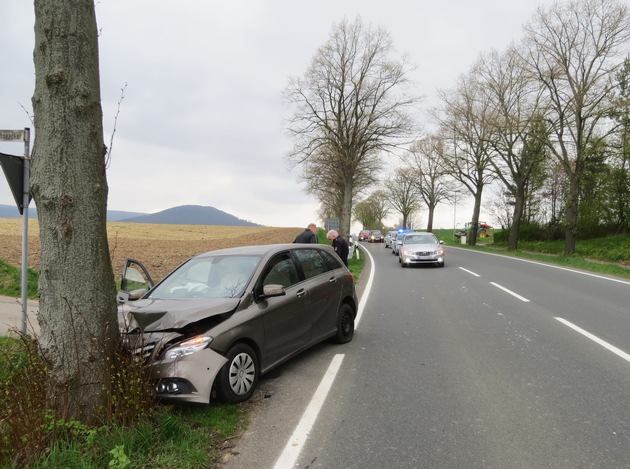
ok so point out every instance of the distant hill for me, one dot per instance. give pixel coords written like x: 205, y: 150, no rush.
x: 182, y: 215
x: 11, y: 211
x: 192, y: 215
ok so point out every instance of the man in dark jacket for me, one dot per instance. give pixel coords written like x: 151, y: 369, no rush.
x: 309, y: 235
x: 340, y: 246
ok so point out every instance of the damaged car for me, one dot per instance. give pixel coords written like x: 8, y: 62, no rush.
x: 220, y: 320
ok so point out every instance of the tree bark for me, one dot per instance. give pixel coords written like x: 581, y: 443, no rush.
x: 77, y: 307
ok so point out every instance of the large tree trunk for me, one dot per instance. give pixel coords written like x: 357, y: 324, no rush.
x: 346, y: 210
x: 571, y: 215
x: 430, y: 220
x: 517, y: 217
x: 474, y: 228
x: 77, y: 307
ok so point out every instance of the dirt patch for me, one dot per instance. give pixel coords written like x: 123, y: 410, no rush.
x: 159, y: 247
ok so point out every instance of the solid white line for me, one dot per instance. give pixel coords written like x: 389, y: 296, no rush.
x: 368, y: 287
x: 470, y: 272
x: 510, y: 292
x: 300, y: 434
x: 596, y: 339
x: 296, y: 442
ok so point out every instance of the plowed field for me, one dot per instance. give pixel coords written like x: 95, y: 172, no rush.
x: 159, y: 247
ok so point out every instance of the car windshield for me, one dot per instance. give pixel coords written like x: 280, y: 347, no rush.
x: 208, y: 277
x: 419, y: 239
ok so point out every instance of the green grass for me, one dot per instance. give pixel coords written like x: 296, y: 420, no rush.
x: 187, y: 437
x: 182, y: 437
x: 11, y: 278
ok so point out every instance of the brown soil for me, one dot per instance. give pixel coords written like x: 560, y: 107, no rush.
x: 159, y: 247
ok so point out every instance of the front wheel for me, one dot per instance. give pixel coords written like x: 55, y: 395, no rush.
x: 238, y: 378
x: 345, y: 324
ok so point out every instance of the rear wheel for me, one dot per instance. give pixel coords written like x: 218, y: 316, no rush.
x: 238, y: 378
x: 345, y: 324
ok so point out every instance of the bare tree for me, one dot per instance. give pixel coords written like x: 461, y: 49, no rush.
x: 516, y: 128
x: 326, y: 183
x: 619, y: 181
x: 463, y: 120
x: 403, y: 194
x: 77, y: 307
x: 350, y: 106
x: 572, y: 49
x: 426, y: 157
x: 371, y: 211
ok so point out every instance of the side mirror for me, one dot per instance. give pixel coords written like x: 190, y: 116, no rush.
x: 122, y: 297
x: 273, y: 290
x: 126, y: 296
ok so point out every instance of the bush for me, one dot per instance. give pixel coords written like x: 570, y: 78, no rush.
x: 501, y: 237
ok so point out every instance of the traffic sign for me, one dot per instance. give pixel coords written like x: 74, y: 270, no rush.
x: 13, y: 135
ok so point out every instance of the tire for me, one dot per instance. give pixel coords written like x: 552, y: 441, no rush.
x: 237, y: 380
x: 345, y: 324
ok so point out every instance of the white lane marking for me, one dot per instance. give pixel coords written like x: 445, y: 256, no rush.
x: 368, y: 287
x: 470, y: 272
x: 551, y: 266
x: 596, y: 339
x: 300, y: 434
x: 296, y: 442
x: 510, y: 292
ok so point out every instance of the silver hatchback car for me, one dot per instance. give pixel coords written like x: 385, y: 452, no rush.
x: 221, y: 319
x: 421, y: 248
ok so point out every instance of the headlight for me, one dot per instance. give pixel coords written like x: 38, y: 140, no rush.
x: 189, y: 346
x: 440, y: 252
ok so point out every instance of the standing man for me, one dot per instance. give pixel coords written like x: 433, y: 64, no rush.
x: 339, y: 245
x: 309, y: 235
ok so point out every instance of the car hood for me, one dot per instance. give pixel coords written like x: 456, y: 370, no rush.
x: 155, y: 315
x: 423, y: 247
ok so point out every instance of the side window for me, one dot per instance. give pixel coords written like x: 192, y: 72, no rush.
x: 281, y: 271
x: 312, y: 263
x: 332, y: 261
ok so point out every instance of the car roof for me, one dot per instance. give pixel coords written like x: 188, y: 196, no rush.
x: 264, y: 249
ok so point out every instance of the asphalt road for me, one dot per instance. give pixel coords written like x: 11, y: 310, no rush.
x: 11, y: 312
x: 489, y: 362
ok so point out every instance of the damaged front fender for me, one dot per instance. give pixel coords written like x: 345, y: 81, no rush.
x: 189, y: 378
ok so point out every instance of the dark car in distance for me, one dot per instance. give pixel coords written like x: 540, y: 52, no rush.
x: 376, y: 236
x: 221, y: 319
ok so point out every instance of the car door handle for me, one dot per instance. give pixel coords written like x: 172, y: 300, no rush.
x: 301, y: 292
x: 332, y: 280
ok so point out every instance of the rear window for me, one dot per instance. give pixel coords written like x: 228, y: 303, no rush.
x: 312, y: 263
x: 315, y: 262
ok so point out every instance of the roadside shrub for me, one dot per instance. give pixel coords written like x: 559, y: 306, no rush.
x: 531, y: 232
x: 23, y: 378
x: 501, y: 237
x: 31, y: 432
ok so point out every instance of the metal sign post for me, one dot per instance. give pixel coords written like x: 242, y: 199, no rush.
x: 21, y: 136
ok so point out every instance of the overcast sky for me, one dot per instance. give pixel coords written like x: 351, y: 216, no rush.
x: 202, y: 119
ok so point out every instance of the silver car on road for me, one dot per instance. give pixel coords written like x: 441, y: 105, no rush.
x: 421, y: 248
